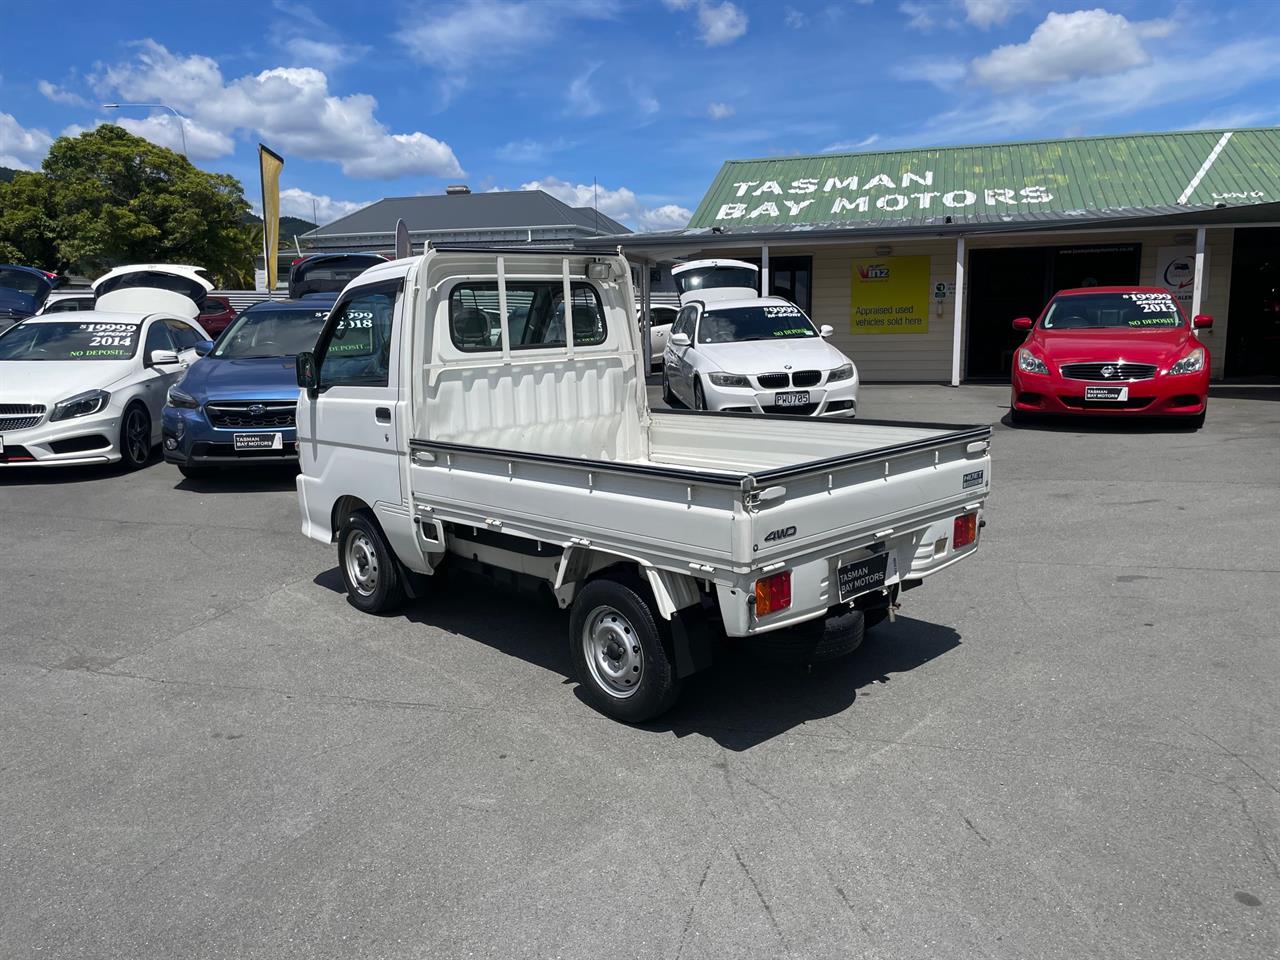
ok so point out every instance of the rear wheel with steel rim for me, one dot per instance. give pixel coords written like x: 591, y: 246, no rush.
x: 619, y: 654
x: 370, y: 571
x: 135, y: 437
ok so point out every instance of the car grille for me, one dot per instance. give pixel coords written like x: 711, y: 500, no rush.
x: 251, y: 413
x: 804, y: 410
x: 19, y: 416
x: 801, y: 378
x: 1118, y: 371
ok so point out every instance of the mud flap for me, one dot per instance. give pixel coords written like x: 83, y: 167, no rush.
x: 690, y: 641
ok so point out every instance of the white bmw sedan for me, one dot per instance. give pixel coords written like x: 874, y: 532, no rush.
x: 760, y: 355
x: 88, y: 387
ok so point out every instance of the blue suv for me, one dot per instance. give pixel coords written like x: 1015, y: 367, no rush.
x: 236, y: 405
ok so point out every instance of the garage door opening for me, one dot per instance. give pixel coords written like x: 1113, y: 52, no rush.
x: 1253, y: 335
x: 1018, y: 282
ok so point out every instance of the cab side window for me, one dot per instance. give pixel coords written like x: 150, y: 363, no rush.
x: 184, y: 335
x: 158, y: 338
x: 355, y: 348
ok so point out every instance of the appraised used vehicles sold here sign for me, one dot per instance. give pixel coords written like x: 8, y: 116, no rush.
x: 890, y: 295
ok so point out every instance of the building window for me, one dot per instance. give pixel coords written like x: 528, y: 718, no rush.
x: 790, y: 278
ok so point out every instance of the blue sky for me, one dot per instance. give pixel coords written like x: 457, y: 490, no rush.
x: 646, y: 97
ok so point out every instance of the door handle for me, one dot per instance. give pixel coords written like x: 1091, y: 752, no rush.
x: 382, y: 414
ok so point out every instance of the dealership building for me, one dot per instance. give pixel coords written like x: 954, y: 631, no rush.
x: 921, y: 259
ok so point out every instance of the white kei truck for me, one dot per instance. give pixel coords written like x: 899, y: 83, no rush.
x: 487, y: 408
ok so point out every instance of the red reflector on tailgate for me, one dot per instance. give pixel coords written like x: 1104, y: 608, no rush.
x: 966, y: 530
x: 773, y: 593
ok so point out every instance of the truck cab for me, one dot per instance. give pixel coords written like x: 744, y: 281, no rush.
x: 487, y: 409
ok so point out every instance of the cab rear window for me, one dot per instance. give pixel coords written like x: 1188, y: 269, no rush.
x: 535, y: 315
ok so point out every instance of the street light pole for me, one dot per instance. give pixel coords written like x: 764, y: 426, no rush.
x: 182, y: 126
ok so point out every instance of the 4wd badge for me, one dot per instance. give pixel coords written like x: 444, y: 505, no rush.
x: 773, y: 536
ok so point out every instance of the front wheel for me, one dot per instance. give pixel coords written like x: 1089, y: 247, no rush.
x: 135, y: 437
x: 1196, y: 422
x: 699, y: 398
x: 369, y: 568
x: 668, y: 397
x: 618, y: 653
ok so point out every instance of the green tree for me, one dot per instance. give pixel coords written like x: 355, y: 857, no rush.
x: 106, y: 198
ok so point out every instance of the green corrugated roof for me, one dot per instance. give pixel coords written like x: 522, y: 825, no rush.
x: 997, y: 183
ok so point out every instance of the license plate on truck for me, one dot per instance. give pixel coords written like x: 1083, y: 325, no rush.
x: 1112, y: 394
x: 797, y: 398
x: 258, y: 441
x: 862, y: 576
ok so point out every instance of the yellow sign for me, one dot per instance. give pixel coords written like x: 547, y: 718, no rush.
x: 270, y: 164
x: 890, y: 295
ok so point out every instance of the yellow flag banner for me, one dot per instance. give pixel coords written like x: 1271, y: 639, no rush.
x: 270, y: 164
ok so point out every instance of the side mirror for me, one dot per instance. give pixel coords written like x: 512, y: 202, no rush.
x: 159, y: 358
x: 304, y: 366
x: 826, y: 331
x: 1202, y: 321
x: 1022, y: 323
x: 680, y: 340
x: 203, y: 347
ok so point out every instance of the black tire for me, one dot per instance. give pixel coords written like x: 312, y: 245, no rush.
x: 699, y: 398
x: 836, y: 635
x: 370, y: 570
x: 1017, y: 418
x: 1196, y: 422
x: 135, y: 437
x: 668, y: 397
x: 196, y: 471
x: 608, y: 616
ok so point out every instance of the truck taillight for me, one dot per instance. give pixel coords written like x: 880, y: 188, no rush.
x: 966, y: 530
x: 773, y: 593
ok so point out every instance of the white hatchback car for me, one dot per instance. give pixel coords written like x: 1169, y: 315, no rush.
x: 758, y: 355
x: 89, y: 387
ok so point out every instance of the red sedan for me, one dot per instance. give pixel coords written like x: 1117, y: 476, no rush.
x: 1114, y: 351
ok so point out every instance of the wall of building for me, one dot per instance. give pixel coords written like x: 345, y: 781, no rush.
x: 927, y: 356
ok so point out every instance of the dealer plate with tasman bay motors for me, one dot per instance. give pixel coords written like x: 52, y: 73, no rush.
x: 796, y: 398
x: 861, y: 576
x: 1107, y: 394
x: 258, y: 441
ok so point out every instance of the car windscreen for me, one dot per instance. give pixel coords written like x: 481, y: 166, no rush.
x: 1103, y: 311
x: 24, y: 282
x: 153, y: 280
x: 714, y: 277
x: 70, y: 341
x: 328, y: 274
x: 271, y: 333
x: 765, y: 322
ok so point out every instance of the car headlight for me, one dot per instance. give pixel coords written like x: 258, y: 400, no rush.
x: 1193, y: 362
x: 1028, y: 362
x: 840, y: 373
x: 729, y: 380
x: 81, y: 405
x: 180, y: 398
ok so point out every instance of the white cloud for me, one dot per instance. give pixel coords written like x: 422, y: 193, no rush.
x: 166, y: 130
x: 941, y: 72
x: 990, y: 13
x: 845, y: 146
x: 794, y: 18
x: 919, y: 16
x: 720, y: 23
x: 57, y: 94
x: 581, y: 97
x: 719, y: 111
x: 620, y: 204
x: 530, y: 150
x: 1068, y: 46
x: 310, y: 206
x: 471, y: 37
x: 291, y: 108
x: 21, y: 148
x: 322, y: 54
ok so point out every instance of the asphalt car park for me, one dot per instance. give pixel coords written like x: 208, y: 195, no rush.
x: 1069, y: 747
